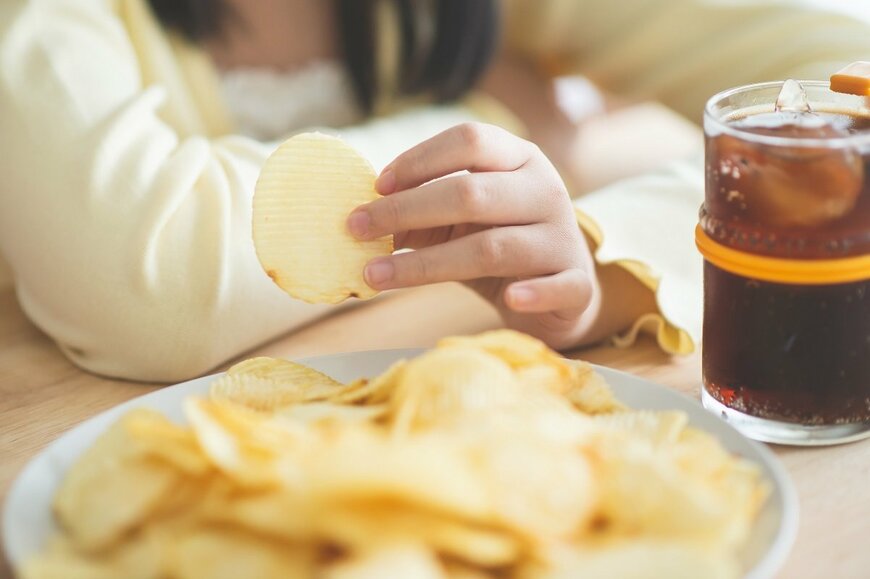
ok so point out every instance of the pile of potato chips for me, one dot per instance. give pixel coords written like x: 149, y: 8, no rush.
x: 488, y: 456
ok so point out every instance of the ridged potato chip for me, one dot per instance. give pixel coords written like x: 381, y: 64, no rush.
x: 448, y: 383
x: 518, y: 350
x: 590, y: 393
x: 271, y: 384
x: 375, y: 391
x: 306, y: 190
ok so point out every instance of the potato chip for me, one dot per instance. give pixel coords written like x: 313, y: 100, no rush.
x: 542, y: 415
x: 516, y: 349
x: 270, y: 384
x: 634, y: 559
x: 328, y: 412
x: 537, y: 366
x: 159, y: 437
x: 365, y: 464
x: 373, y: 525
x: 113, y: 487
x: 273, y: 512
x: 406, y: 560
x: 459, y: 570
x: 140, y: 558
x: 656, y: 427
x: 551, y: 492
x: 247, y: 446
x: 221, y: 553
x: 644, y: 492
x: 306, y: 191
x: 283, y: 371
x: 590, y: 393
x: 450, y: 382
x: 374, y: 391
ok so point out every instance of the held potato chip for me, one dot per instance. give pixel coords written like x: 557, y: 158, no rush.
x: 305, y: 192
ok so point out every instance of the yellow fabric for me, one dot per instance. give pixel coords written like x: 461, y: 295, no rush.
x: 670, y: 338
x: 643, y: 225
x: 125, y: 198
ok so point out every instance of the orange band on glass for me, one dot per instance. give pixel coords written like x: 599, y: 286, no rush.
x: 777, y: 270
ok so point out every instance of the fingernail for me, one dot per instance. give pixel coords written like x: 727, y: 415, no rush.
x: 358, y: 223
x: 379, y: 272
x: 386, y: 183
x: 523, y: 296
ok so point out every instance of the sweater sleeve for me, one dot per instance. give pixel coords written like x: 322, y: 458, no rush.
x: 128, y: 239
x: 679, y: 52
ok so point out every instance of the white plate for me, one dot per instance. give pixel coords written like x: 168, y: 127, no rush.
x: 28, y: 522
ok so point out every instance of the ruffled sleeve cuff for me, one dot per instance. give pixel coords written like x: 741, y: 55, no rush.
x: 646, y: 226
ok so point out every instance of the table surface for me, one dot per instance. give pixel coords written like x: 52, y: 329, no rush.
x: 42, y: 395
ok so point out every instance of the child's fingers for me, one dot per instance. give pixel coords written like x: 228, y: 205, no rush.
x: 474, y: 147
x: 566, y: 294
x: 483, y: 198
x: 501, y: 252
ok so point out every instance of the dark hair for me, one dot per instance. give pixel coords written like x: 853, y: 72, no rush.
x: 443, y: 61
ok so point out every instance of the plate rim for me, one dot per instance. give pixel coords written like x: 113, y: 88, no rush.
x: 766, y: 567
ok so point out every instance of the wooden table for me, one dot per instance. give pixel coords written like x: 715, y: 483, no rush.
x: 42, y: 395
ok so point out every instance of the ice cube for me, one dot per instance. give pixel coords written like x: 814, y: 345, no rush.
x: 793, y: 98
x: 791, y: 124
x: 782, y: 186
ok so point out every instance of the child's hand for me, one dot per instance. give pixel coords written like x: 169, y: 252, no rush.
x: 506, y: 228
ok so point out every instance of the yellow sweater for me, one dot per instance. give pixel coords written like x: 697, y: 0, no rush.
x: 125, y: 198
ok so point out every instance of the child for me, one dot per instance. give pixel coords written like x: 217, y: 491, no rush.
x: 127, y: 183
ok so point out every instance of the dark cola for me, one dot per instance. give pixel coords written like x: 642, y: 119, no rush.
x: 793, y: 352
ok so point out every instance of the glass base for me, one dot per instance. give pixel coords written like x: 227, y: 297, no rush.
x: 777, y: 432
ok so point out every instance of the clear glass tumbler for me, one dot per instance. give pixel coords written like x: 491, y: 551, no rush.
x: 785, y: 233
